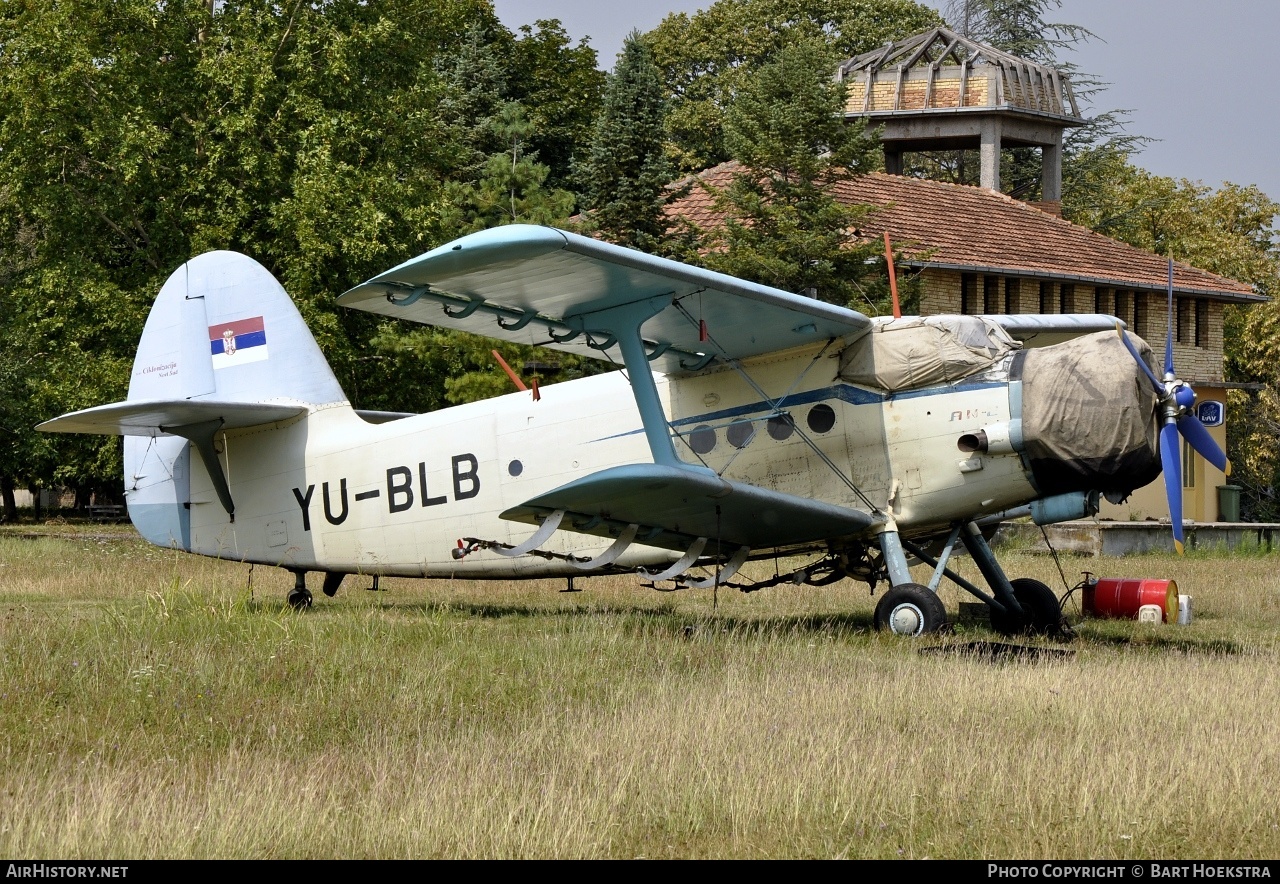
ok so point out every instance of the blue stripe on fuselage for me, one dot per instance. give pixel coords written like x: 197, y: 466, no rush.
x: 843, y: 392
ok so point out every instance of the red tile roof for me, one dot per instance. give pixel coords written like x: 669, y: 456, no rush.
x: 957, y: 227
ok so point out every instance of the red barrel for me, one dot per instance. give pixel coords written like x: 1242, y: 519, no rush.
x: 1122, y: 597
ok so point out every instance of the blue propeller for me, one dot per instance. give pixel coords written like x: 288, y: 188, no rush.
x: 1176, y: 400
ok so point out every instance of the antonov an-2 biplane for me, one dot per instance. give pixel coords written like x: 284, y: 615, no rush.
x: 744, y: 423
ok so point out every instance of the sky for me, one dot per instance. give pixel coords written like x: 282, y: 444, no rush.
x: 1195, y: 75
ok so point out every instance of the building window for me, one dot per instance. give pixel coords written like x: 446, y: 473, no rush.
x: 1066, y: 296
x: 1185, y: 318
x: 1124, y: 307
x: 1202, y: 323
x: 990, y: 294
x: 1188, y: 465
x: 1012, y: 296
x: 1046, y: 297
x: 969, y: 294
x: 1102, y: 300
x: 1141, y: 315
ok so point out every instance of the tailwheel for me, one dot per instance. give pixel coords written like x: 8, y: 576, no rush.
x: 1041, y: 614
x: 910, y: 609
x: 300, y: 596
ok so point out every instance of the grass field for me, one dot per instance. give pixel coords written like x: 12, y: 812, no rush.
x: 154, y: 704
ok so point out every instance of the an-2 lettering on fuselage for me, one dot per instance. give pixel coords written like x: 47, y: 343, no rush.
x: 400, y: 491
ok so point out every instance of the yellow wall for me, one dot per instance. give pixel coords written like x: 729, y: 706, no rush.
x: 1199, y: 502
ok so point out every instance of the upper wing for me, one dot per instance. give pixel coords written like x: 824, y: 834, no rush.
x: 539, y: 285
x: 1041, y: 330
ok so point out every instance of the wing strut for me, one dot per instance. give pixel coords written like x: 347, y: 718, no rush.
x: 624, y: 323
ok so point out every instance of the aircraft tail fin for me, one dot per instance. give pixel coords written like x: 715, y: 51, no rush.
x: 223, y: 347
x: 222, y: 328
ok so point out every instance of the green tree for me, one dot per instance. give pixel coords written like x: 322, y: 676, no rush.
x: 90, y: 159
x: 626, y: 173
x: 560, y: 88
x: 782, y: 225
x: 707, y: 58
x: 475, y: 86
x: 512, y: 186
x: 135, y: 134
x: 512, y: 189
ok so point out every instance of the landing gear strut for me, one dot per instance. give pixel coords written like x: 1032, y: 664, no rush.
x: 300, y: 596
x: 1022, y: 606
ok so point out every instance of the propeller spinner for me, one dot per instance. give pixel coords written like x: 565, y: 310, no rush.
x: 1176, y: 400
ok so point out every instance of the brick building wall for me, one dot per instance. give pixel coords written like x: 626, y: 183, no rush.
x: 1197, y: 350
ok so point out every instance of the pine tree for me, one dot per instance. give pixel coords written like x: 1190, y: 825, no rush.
x: 1022, y: 28
x: 512, y: 189
x: 475, y: 85
x: 511, y: 186
x: 624, y: 178
x: 784, y: 228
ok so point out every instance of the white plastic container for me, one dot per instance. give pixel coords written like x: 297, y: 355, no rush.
x: 1150, y: 614
x: 1184, y: 610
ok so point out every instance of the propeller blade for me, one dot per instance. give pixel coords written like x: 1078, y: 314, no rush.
x: 1168, y: 339
x: 1199, y: 439
x: 1171, y: 465
x: 1142, y: 363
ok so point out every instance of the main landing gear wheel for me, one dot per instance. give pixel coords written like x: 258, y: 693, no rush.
x: 910, y: 609
x: 1041, y: 614
x: 300, y: 599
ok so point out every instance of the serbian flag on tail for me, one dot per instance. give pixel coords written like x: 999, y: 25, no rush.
x: 235, y: 343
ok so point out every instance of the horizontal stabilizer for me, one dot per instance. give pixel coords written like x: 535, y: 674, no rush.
x: 674, y: 506
x: 152, y: 417
x: 539, y: 285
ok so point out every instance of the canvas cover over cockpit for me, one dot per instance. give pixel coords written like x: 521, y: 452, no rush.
x: 924, y: 351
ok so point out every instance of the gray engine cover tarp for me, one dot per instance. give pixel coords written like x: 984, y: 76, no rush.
x: 924, y: 351
x: 1088, y: 415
